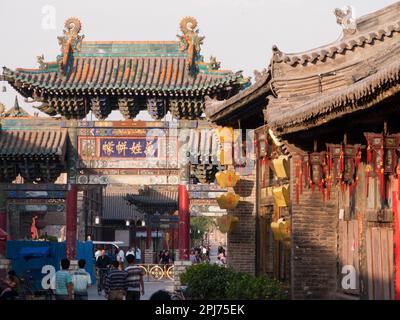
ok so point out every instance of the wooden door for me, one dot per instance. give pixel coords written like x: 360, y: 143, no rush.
x: 380, y: 270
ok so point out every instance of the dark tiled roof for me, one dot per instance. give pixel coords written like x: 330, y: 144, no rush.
x: 242, y: 104
x: 151, y: 200
x: 128, y: 66
x: 33, y: 144
x: 116, y: 207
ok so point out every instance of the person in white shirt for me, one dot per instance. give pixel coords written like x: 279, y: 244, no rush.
x: 120, y: 258
x: 97, y: 254
x: 138, y: 255
x: 130, y: 251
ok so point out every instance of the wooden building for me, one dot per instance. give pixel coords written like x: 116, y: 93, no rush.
x: 331, y: 112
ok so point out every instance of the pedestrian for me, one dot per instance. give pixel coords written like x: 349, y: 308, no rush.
x: 138, y: 255
x: 82, y: 281
x: 165, y: 258
x: 102, y: 264
x: 120, y: 256
x: 130, y: 251
x: 134, y: 279
x: 103, y: 261
x: 97, y: 254
x: 160, y: 255
x: 64, y: 285
x: 192, y: 257
x: 116, y: 283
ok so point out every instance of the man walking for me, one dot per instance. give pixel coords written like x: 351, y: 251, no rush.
x: 82, y: 281
x: 102, y: 264
x: 64, y: 285
x: 116, y: 283
x: 134, y: 279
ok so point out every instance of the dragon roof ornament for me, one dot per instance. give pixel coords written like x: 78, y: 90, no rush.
x: 70, y: 41
x: 345, y: 18
x: 190, y: 41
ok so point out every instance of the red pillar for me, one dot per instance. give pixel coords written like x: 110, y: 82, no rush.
x: 72, y: 197
x: 396, y: 236
x: 184, y: 222
x: 3, y: 219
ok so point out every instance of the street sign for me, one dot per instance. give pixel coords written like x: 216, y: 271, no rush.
x: 162, y: 221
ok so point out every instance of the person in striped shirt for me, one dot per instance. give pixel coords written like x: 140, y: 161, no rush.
x: 135, y: 279
x: 116, y: 283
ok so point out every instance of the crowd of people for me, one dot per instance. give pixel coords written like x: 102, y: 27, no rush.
x: 120, y: 276
x: 202, y: 255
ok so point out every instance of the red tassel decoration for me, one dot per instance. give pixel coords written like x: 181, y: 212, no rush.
x: 398, y: 181
x: 382, y: 170
x: 367, y: 174
x: 341, y: 164
x: 301, y: 178
x: 369, y: 153
x: 307, y: 173
x: 297, y: 180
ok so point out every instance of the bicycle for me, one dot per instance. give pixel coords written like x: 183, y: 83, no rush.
x: 101, y: 279
x: 28, y: 290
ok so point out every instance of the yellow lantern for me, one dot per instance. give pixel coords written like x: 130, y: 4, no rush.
x: 227, y: 178
x: 225, y: 136
x: 229, y: 200
x: 281, y: 167
x: 281, y: 196
x: 227, y: 223
x: 276, y: 231
x: 284, y: 227
x: 281, y: 230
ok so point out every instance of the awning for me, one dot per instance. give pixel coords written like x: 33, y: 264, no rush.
x: 34, y: 252
x: 33, y: 144
x: 3, y: 235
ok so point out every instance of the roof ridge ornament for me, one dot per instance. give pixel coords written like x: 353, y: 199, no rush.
x: 214, y: 64
x: 42, y: 64
x: 70, y: 41
x: 345, y: 17
x: 190, y: 41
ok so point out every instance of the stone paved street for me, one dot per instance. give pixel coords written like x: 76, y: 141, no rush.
x: 150, y: 288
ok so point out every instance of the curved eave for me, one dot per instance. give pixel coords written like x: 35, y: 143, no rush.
x: 221, y: 111
x: 360, y: 96
x: 373, y: 27
x: 26, y: 80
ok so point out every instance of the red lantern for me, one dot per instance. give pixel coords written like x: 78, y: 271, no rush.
x: 382, y: 157
x: 318, y: 167
x: 343, y: 162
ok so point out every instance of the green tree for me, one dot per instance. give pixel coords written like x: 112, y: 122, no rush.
x: 198, y: 227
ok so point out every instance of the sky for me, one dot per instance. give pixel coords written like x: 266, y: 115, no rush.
x: 240, y: 33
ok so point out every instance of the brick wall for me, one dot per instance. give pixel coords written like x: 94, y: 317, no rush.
x: 241, y: 242
x: 314, y: 244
